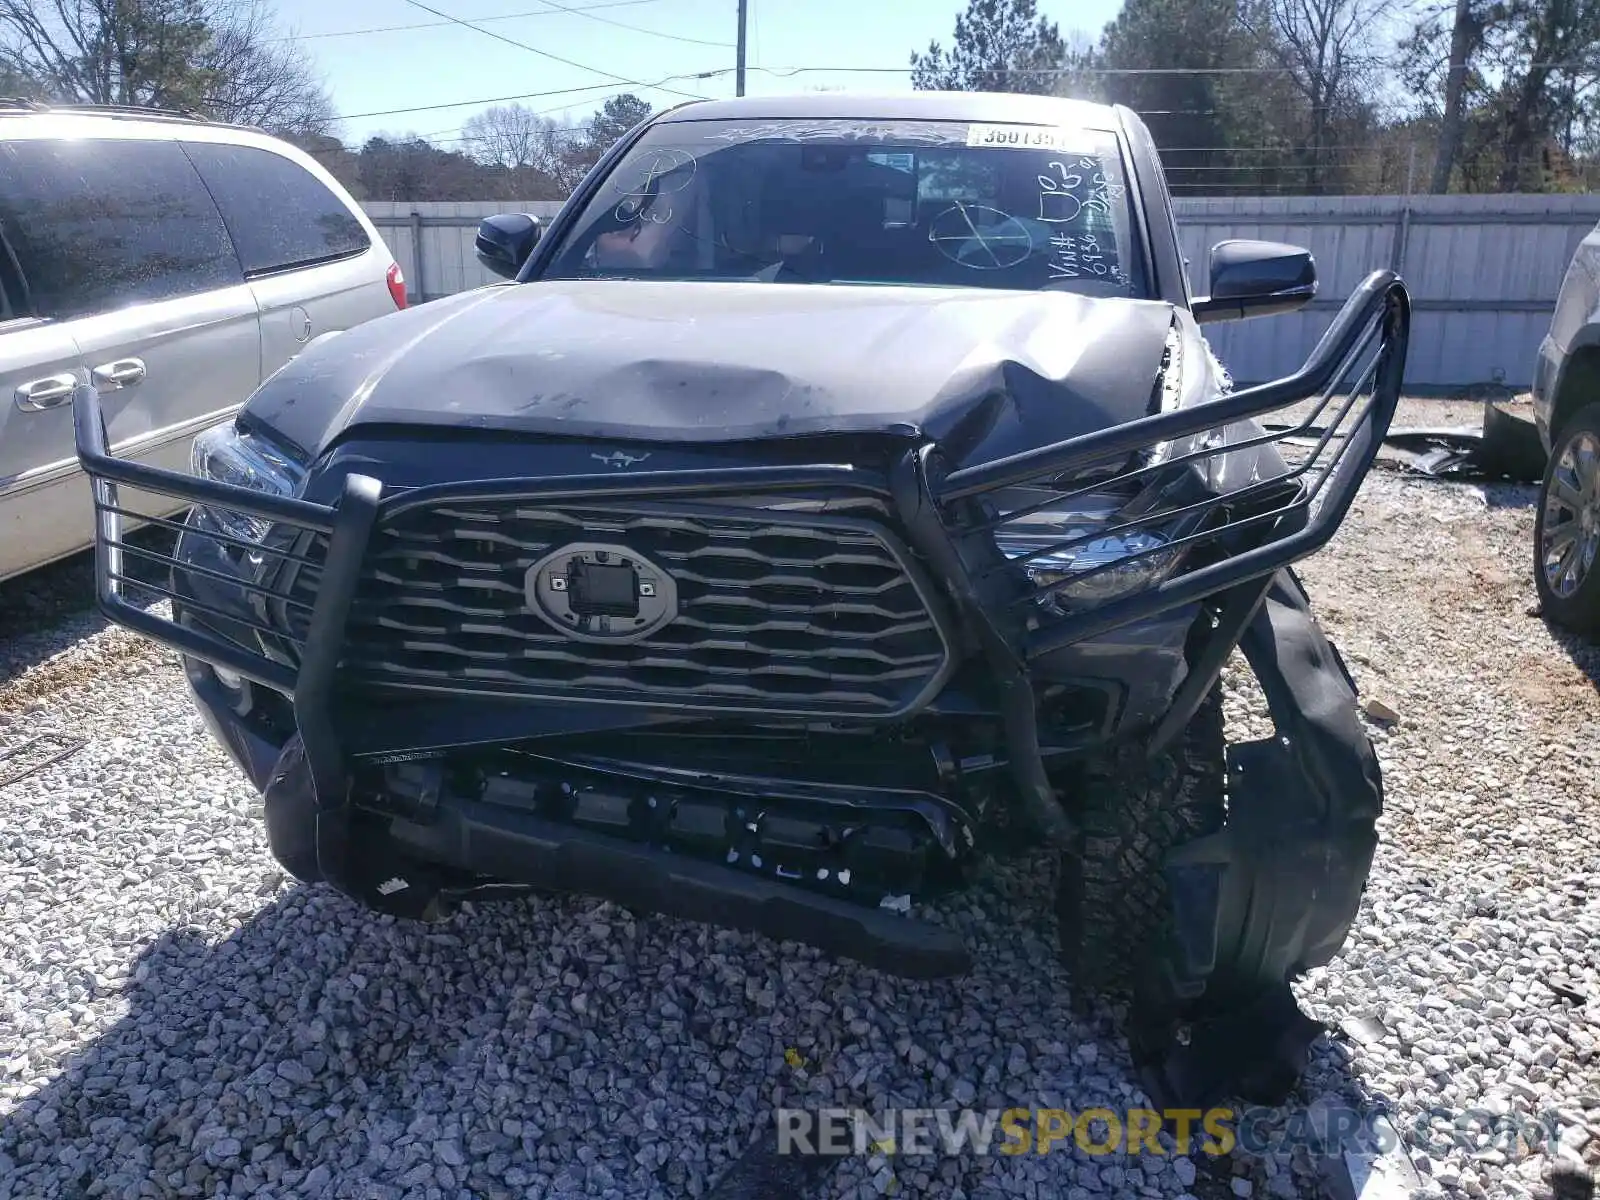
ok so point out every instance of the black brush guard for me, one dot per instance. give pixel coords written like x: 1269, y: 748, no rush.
x: 1252, y: 532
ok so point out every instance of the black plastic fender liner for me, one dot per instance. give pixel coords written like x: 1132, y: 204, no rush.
x: 305, y: 836
x: 1276, y: 891
x: 1329, y: 789
x: 289, y: 803
x: 1293, y: 858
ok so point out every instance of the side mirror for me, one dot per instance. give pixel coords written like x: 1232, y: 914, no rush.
x: 505, y: 240
x: 1255, y: 279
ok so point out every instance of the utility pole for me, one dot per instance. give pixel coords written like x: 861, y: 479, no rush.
x: 738, y: 75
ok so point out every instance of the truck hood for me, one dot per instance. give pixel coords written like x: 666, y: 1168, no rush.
x: 984, y: 372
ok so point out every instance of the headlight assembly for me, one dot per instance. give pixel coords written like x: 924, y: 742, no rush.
x: 1058, y: 549
x: 230, y: 455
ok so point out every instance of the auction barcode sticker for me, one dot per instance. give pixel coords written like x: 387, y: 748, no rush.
x: 1024, y: 137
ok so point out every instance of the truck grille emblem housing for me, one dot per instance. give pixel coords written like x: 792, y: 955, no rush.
x: 594, y: 592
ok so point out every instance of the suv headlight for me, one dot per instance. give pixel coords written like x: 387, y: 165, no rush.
x: 1034, y: 543
x: 230, y: 455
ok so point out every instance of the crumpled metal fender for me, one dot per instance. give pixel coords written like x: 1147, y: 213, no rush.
x: 1276, y: 891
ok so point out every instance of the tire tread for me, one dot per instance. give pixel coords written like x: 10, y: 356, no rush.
x: 1133, y: 809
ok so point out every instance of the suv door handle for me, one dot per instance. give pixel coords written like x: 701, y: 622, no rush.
x: 39, y: 394
x: 125, y: 372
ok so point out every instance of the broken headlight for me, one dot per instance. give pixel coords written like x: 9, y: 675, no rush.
x: 1079, y: 552
x: 228, y: 454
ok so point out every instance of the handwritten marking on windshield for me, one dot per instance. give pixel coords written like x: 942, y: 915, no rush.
x: 656, y: 173
x: 639, y: 208
x: 964, y: 232
x: 936, y: 133
x: 648, y: 178
x: 1059, y: 202
x: 1064, y: 257
x: 1069, y: 191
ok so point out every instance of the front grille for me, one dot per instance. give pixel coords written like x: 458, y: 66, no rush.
x: 787, y: 613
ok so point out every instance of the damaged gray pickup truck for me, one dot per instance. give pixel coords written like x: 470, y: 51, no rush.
x: 840, y: 493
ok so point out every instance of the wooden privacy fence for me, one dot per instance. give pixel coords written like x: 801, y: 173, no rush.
x: 1483, y: 270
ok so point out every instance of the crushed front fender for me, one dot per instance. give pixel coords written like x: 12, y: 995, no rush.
x: 1276, y: 891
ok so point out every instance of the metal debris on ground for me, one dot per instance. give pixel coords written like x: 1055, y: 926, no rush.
x: 1369, y: 1031
x: 1505, y: 448
x: 1373, y: 1174
x: 35, y: 754
x: 1377, y: 710
x: 1565, y: 989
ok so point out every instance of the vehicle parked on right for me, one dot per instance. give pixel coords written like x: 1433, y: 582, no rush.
x: 1566, y: 399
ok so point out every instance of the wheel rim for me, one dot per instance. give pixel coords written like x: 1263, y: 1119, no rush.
x: 1571, y: 531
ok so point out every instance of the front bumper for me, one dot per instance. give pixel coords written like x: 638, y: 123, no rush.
x: 1241, y: 539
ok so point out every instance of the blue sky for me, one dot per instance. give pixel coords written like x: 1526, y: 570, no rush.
x: 376, y: 72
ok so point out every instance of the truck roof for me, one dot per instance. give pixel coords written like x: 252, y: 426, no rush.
x: 997, y: 107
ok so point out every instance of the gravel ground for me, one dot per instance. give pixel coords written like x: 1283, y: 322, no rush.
x: 176, y: 1018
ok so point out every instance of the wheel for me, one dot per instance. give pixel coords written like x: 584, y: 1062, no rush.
x: 1111, y: 898
x: 1566, y: 526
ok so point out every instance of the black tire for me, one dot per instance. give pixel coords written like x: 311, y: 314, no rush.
x: 1111, y: 901
x: 1579, y: 609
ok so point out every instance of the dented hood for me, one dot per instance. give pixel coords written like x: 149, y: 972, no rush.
x: 985, y: 372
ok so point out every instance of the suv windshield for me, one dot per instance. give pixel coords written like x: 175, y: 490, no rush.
x: 941, y: 203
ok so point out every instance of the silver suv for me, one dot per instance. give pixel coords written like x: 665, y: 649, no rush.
x: 174, y: 262
x: 1566, y: 398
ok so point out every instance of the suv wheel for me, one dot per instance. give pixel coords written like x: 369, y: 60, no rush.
x: 1133, y: 810
x: 1566, y: 528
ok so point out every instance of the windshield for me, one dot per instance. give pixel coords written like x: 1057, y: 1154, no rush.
x: 941, y: 203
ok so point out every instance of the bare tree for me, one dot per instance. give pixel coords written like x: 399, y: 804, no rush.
x: 509, y: 136
x: 1330, y: 53
x: 217, y: 57
x: 260, y: 79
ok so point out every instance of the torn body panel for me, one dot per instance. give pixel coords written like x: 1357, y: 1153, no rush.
x: 1275, y: 892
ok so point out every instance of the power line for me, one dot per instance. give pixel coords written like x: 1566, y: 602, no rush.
x: 789, y: 71
x: 437, y: 136
x: 592, y: 87
x: 674, y: 37
x: 516, y: 16
x: 500, y: 37
x: 1267, y: 149
x: 595, y: 87
x: 1286, y: 166
x: 700, y: 75
x: 436, y: 139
